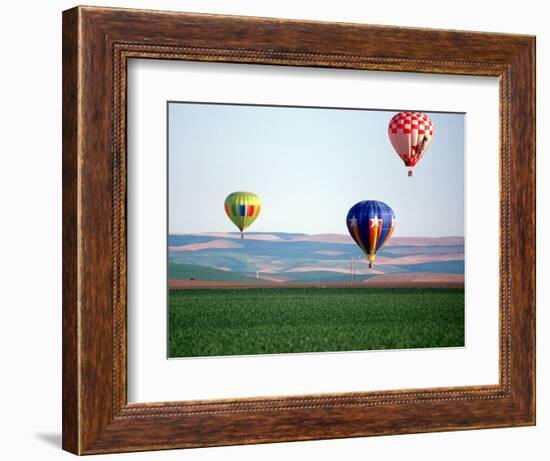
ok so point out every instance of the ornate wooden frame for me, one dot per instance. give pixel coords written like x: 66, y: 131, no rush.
x: 97, y: 43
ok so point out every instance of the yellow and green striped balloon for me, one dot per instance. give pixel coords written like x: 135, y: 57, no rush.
x: 242, y: 208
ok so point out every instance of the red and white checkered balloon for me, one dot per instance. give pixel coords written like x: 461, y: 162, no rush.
x: 411, y: 134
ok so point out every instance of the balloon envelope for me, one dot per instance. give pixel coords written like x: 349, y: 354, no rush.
x: 371, y: 224
x: 242, y: 208
x: 411, y: 134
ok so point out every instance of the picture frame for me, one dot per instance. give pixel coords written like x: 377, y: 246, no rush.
x: 97, y: 44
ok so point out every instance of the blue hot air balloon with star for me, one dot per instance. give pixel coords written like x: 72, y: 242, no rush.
x: 370, y: 223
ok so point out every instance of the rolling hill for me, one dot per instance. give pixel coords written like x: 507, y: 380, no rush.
x: 290, y: 257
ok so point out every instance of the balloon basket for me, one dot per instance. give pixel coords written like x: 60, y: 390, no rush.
x: 242, y: 236
x: 370, y: 264
x: 410, y: 173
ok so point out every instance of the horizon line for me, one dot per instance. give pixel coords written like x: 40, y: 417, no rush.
x: 304, y: 233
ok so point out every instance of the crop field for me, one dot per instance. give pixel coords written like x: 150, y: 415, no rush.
x: 217, y: 322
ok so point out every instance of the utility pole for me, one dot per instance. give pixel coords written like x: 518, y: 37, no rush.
x: 353, y: 267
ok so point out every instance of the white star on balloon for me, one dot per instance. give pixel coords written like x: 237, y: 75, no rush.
x: 374, y: 221
x: 353, y: 221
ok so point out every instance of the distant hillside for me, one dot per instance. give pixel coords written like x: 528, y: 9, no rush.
x: 322, y: 238
x: 188, y: 271
x: 418, y: 277
x: 282, y: 257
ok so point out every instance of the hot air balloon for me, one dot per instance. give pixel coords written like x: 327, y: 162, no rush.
x: 370, y: 223
x: 242, y: 208
x: 410, y: 134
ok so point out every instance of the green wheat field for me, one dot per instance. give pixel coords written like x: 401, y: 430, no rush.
x: 250, y: 321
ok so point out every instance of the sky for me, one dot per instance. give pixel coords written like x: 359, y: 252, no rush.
x: 309, y: 166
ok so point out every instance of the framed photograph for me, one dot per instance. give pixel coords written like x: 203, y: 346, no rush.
x: 282, y: 230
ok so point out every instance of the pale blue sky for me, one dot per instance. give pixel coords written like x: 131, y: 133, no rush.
x: 309, y: 166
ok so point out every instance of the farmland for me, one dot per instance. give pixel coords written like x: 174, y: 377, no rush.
x: 218, y: 322
x: 302, y: 258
